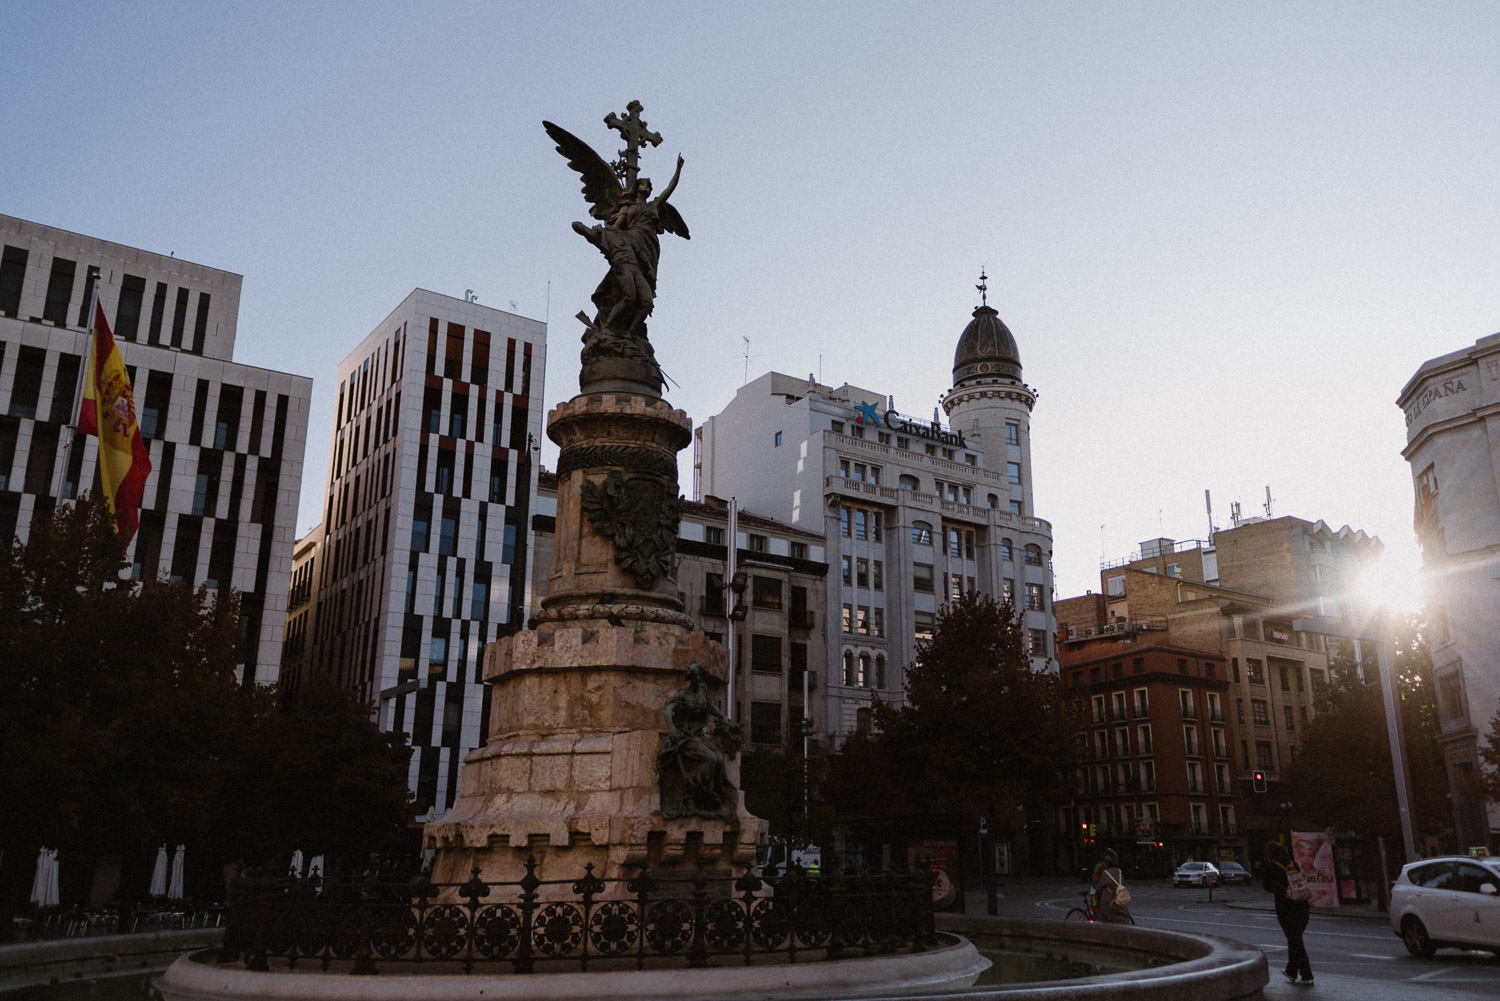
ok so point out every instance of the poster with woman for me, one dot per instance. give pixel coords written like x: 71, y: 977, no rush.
x: 1313, y: 853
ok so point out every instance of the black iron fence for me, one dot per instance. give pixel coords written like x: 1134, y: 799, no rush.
x: 654, y: 917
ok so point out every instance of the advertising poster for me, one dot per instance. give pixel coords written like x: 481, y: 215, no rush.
x: 942, y: 855
x: 1313, y: 853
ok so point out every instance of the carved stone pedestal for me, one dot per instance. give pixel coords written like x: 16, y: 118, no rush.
x: 570, y: 773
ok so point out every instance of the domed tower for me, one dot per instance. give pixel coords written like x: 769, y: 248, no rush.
x: 991, y: 403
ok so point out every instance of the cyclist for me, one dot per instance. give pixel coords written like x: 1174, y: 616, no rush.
x: 1104, y: 882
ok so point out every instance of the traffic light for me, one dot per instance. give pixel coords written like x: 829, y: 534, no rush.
x: 1258, y: 780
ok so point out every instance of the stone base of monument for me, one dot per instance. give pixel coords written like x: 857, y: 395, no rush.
x: 954, y: 964
x: 571, y: 775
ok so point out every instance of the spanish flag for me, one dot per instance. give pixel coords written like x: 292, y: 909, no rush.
x: 108, y: 411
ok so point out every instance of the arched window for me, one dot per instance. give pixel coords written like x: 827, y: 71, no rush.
x: 908, y: 482
x: 921, y: 533
x: 848, y: 667
x: 1034, y: 555
x: 880, y: 670
x: 1007, y: 551
x: 994, y: 501
x: 864, y: 670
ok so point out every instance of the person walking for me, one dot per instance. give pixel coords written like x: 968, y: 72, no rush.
x: 1291, y: 914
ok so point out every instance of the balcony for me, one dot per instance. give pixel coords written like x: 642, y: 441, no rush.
x: 1189, y: 713
x: 1216, y: 715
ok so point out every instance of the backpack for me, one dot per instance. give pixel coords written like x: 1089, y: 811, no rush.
x: 1296, y: 885
x: 1122, y: 895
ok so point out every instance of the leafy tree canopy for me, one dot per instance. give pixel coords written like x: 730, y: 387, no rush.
x: 1343, y: 775
x: 124, y: 725
x: 980, y: 732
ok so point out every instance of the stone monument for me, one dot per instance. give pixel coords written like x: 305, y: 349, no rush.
x: 606, y: 746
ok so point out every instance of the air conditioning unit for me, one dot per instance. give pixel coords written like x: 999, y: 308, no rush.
x: 1091, y: 631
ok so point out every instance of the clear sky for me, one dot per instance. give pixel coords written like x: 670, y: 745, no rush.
x: 1224, y: 235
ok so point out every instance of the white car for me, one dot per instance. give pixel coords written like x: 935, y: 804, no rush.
x: 1451, y: 901
x: 1196, y: 874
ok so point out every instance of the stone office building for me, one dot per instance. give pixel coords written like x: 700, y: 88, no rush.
x: 423, y: 550
x: 225, y: 439
x: 911, y: 513
x: 1452, y: 448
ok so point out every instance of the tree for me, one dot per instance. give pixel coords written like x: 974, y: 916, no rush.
x: 123, y: 724
x: 980, y: 734
x: 1343, y: 774
x: 785, y: 789
x: 1488, y: 777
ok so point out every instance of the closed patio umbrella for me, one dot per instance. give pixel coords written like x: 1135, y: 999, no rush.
x: 296, y: 869
x: 174, y: 886
x: 315, y: 867
x: 44, y: 885
x: 159, y: 874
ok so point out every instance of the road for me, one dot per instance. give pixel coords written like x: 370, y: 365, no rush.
x: 1353, y: 954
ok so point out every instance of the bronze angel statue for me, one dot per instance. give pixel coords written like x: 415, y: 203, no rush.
x: 630, y: 223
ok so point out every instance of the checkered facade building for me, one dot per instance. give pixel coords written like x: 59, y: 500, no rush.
x: 426, y: 532
x: 225, y: 439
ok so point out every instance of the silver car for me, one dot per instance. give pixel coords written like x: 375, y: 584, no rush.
x: 1196, y: 874
x: 1450, y: 901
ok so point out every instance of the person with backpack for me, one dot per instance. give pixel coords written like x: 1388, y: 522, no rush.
x: 1107, y: 891
x: 1281, y: 877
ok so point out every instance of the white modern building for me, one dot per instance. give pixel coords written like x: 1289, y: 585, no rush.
x: 427, y: 529
x: 1453, y: 447
x: 912, y: 512
x: 226, y: 440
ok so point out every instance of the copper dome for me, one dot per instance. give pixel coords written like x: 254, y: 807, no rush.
x: 986, y: 350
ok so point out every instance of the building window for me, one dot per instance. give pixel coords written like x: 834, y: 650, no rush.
x: 765, y: 723
x: 1012, y: 434
x: 922, y: 624
x: 1013, y: 472
x: 1256, y: 670
x: 799, y: 550
x: 844, y: 522
x: 955, y: 586
x: 1141, y: 704
x: 777, y: 440
x: 1015, y: 507
x: 837, y: 427
x: 1173, y: 570
x: 1034, y: 555
x: 713, y: 536
x: 766, y: 593
x: 848, y: 619
x: 755, y: 543
x: 921, y: 533
x: 921, y: 577
x: 1006, y: 552
x: 1034, y: 598
x: 448, y: 539
x: 848, y: 667
x: 862, y: 572
x: 877, y: 580
x: 844, y: 562
x: 1038, y: 642
x: 59, y: 291
x: 1259, y: 712
x: 1143, y: 733
x: 908, y: 482
x: 863, y: 679
x: 1263, y: 754
x: 1290, y: 722
x: 862, y: 620
x: 862, y: 721
x: 765, y: 653
x: 880, y: 670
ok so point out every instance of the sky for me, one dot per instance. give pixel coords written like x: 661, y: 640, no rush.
x: 1224, y: 235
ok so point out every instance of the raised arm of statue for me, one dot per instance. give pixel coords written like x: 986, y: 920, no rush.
x: 672, y: 184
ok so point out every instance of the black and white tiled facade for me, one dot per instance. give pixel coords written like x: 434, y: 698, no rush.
x: 426, y: 531
x: 226, y: 440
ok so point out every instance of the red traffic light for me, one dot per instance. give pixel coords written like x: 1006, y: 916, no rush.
x: 1258, y: 778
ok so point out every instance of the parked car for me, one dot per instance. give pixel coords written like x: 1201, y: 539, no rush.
x: 1231, y: 873
x: 1196, y: 874
x: 1449, y: 901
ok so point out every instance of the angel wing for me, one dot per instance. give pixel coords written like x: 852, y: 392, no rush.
x: 600, y: 186
x: 671, y: 220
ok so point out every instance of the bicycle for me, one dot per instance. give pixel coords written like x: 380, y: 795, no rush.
x: 1090, y: 912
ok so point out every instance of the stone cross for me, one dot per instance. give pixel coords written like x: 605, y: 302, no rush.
x: 632, y: 129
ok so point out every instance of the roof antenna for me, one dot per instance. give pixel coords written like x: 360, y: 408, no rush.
x: 1268, y: 500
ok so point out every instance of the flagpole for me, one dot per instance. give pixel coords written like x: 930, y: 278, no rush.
x: 83, y: 373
